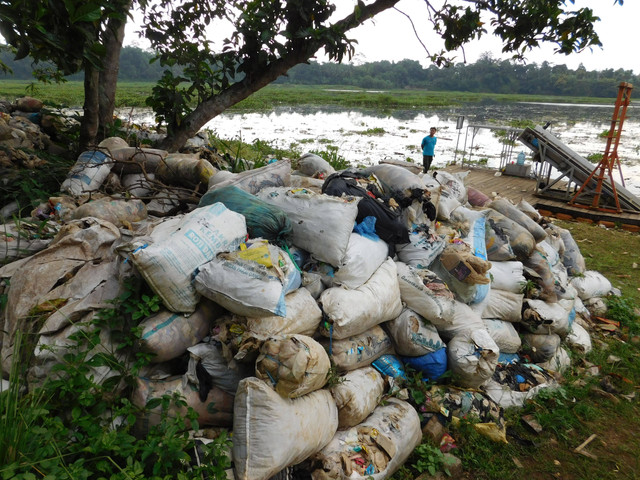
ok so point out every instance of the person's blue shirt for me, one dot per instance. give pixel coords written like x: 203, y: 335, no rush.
x: 429, y: 145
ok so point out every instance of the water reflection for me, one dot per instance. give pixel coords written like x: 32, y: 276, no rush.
x: 366, y: 136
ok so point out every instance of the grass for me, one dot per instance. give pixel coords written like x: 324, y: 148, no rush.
x: 134, y: 94
x: 613, y: 252
x: 581, y: 407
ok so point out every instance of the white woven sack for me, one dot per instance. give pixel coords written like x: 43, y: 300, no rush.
x: 539, y: 347
x: 311, y: 165
x: 550, y: 252
x: 169, y: 264
x: 564, y: 289
x: 473, y: 357
x: 216, y: 410
x: 246, y: 287
x: 294, y: 365
x: 434, y: 305
x: 271, y: 432
x: 362, y: 259
x: 357, y: 395
x: 504, y: 334
x: 508, y: 209
x: 355, y: 311
x: 322, y: 224
x: 88, y: 173
x: 504, y: 305
x: 412, y: 335
x: 579, y: 338
x: 454, y: 182
x: 507, y: 276
x: 464, y: 319
x: 358, y: 350
x: 572, y: 258
x: 591, y: 284
x: 555, y: 317
x: 560, y: 361
x: 139, y: 184
x: 395, y: 178
x: 303, y: 317
x: 447, y: 203
x: 277, y: 174
x: 15, y: 244
x: 167, y: 335
x: 527, y: 208
x: 398, y: 432
x: 422, y: 250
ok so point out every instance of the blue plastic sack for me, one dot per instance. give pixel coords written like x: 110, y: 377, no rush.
x: 432, y: 365
x: 367, y: 228
x: 390, y: 366
x: 508, y: 358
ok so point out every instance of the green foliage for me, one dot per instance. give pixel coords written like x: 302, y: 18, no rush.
x: 372, y: 131
x: 242, y: 156
x: 331, y: 155
x: 73, y: 427
x: 623, y: 310
x: 33, y: 184
x: 481, y: 161
x: 595, y: 157
x: 170, y: 100
x: 427, y: 458
x: 67, y: 35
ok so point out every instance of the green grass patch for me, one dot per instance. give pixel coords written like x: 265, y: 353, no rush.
x: 134, y: 94
x: 377, y: 131
x: 595, y: 157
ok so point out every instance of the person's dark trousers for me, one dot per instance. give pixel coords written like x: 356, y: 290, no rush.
x: 426, y: 162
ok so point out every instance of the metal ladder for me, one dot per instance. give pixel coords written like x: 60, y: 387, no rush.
x: 610, y: 158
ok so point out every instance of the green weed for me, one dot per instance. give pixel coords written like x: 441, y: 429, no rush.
x: 72, y: 427
x: 623, y: 311
x: 372, y: 131
x: 331, y: 155
x: 595, y: 157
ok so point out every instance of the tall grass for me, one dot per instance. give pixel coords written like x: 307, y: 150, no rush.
x: 19, y: 413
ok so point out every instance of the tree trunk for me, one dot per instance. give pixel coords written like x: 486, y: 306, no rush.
x: 89, y: 123
x: 112, y: 41
x: 237, y: 92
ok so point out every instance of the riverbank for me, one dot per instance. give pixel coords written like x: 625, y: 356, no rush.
x: 133, y: 94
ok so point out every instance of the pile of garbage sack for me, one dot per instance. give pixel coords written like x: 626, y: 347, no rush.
x: 300, y: 300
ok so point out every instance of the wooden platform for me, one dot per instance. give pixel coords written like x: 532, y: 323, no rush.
x: 491, y: 183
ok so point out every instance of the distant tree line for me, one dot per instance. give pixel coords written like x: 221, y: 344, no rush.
x: 487, y: 75
x: 135, y: 66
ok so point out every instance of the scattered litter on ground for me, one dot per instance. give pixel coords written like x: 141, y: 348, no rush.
x: 273, y: 280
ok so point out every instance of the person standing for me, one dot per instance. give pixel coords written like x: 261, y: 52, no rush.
x: 428, y: 147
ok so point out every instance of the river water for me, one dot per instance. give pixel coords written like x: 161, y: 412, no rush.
x: 365, y: 137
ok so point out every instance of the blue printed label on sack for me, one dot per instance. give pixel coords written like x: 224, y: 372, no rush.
x: 199, y: 243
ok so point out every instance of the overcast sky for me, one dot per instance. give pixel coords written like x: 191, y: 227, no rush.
x: 390, y: 36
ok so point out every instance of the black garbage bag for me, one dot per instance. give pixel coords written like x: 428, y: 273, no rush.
x: 389, y: 226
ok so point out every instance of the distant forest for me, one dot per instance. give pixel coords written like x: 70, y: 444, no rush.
x: 487, y: 75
